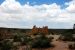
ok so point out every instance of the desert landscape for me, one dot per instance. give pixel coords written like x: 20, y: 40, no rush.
x: 37, y: 39
x: 37, y: 24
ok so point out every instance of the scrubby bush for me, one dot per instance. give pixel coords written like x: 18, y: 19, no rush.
x: 26, y: 40
x: 17, y: 38
x: 6, y: 45
x: 67, y: 36
x: 41, y: 42
x: 71, y: 46
x: 51, y: 38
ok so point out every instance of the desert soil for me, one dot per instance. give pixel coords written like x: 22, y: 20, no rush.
x: 59, y: 45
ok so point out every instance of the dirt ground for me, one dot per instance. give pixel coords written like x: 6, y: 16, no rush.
x: 59, y: 45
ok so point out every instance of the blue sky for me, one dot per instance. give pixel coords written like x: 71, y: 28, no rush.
x: 1, y: 1
x: 38, y: 2
x: 26, y: 13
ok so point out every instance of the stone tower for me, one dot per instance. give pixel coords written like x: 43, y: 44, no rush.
x: 74, y: 26
x: 36, y: 30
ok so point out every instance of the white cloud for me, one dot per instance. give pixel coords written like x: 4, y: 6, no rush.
x: 71, y: 7
x: 12, y: 14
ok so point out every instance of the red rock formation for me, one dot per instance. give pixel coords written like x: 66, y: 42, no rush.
x: 36, y: 30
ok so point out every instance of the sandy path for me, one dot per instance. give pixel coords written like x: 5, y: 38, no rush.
x: 60, y: 45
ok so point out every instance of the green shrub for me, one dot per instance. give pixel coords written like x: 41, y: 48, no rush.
x: 66, y: 36
x: 17, y: 38
x: 6, y: 45
x: 26, y: 40
x: 41, y: 42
